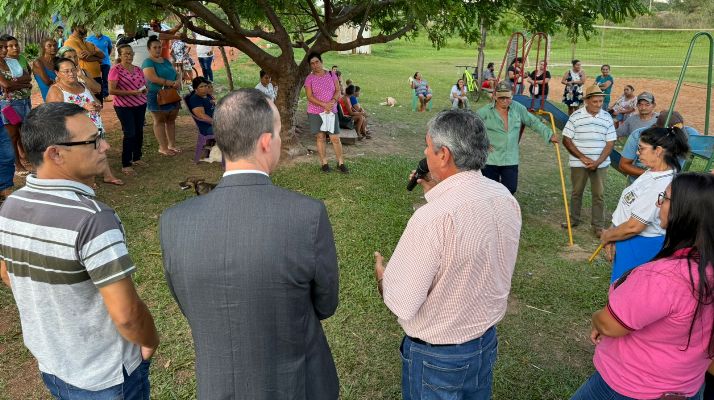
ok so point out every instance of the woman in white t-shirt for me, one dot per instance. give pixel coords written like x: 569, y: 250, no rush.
x: 636, y: 235
x: 459, y: 96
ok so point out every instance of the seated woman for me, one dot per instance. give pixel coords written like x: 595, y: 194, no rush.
x: 358, y: 117
x: 625, y: 106
x: 458, y: 98
x: 636, y: 235
x: 539, y: 83
x: 422, y: 90
x: 201, y: 105
x: 654, y: 337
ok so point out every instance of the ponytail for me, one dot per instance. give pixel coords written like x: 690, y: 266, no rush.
x: 672, y: 140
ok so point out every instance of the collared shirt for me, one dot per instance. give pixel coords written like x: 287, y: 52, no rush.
x: 104, y: 44
x: 505, y: 144
x: 244, y: 171
x: 639, y: 201
x: 61, y: 246
x: 630, y: 149
x: 449, y: 277
x: 634, y: 122
x: 590, y: 135
x: 269, y: 90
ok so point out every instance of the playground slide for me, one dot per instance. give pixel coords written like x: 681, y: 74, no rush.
x: 559, y: 116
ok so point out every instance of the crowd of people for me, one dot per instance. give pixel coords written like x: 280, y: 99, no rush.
x: 254, y: 306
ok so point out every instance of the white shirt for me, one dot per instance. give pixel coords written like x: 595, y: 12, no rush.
x: 639, y: 200
x: 269, y: 91
x: 244, y: 171
x: 203, y: 50
x: 456, y: 93
x: 590, y: 135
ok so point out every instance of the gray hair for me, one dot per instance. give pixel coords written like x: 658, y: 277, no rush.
x: 241, y: 117
x: 464, y: 134
x: 46, y: 125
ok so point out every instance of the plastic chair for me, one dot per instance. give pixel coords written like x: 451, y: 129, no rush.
x: 201, y: 140
x: 702, y: 147
x: 415, y: 101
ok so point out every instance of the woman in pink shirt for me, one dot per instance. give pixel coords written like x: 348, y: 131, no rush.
x: 654, y: 336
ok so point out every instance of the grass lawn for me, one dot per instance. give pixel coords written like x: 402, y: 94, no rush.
x: 544, y: 347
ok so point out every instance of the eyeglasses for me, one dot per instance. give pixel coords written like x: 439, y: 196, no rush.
x: 94, y: 141
x: 661, y: 198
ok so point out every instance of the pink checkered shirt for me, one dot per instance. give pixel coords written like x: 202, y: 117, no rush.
x: 449, y: 277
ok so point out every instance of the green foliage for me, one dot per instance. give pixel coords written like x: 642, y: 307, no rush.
x: 32, y: 51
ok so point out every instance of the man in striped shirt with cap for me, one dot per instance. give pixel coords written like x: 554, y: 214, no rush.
x: 589, y: 136
x: 64, y: 255
x: 449, y: 277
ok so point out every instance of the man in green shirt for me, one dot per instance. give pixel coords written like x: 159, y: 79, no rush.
x: 503, y: 120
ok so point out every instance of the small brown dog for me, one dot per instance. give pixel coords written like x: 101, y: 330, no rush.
x: 200, y: 186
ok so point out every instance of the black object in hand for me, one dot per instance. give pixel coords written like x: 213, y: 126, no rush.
x: 421, y: 171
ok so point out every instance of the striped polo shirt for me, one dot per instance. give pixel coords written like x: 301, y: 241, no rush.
x: 590, y: 135
x: 449, y: 277
x: 60, y: 246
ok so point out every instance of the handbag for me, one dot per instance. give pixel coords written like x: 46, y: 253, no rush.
x: 167, y: 96
x: 12, y: 117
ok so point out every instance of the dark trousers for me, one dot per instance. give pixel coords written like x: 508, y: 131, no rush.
x: 100, y: 95
x: 507, y: 175
x: 206, y: 70
x: 105, y: 80
x: 132, y: 124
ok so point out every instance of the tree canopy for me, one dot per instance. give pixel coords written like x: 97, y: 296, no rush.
x: 298, y: 27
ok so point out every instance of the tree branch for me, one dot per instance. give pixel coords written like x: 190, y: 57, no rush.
x: 282, y: 38
x: 364, y: 21
x: 318, y: 21
x: 381, y: 38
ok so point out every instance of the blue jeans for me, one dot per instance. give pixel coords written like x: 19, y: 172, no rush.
x: 206, y: 70
x: 135, y: 387
x: 507, y: 175
x: 463, y: 371
x: 595, y: 388
x: 7, y: 159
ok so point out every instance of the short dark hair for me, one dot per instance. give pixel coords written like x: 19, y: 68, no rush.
x: 335, y: 66
x: 575, y: 62
x: 314, y: 54
x: 197, y: 81
x: 61, y: 61
x: 605, y: 65
x: 631, y: 87
x: 45, y: 126
x: 464, y: 134
x: 241, y: 117
x: 7, y: 37
x: 350, y: 90
x: 151, y: 40
x: 357, y: 89
x: 489, y: 65
x: 262, y: 73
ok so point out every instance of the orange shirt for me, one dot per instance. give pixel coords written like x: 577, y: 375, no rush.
x: 93, y: 68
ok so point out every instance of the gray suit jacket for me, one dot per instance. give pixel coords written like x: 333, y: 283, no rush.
x: 253, y: 268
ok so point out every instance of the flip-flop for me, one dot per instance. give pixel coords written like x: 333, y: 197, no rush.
x: 128, y: 171
x: 115, y: 181
x: 169, y: 153
x: 175, y: 149
x: 139, y: 163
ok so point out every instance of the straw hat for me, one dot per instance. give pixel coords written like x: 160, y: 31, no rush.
x: 593, y: 90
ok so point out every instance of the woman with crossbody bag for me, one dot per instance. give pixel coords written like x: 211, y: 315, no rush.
x: 163, y: 99
x: 14, y: 104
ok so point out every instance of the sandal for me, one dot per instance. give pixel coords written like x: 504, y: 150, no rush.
x: 169, y: 153
x: 128, y: 171
x: 115, y: 181
x: 175, y: 149
x: 139, y: 163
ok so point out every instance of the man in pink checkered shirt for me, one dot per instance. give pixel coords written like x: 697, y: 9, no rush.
x: 449, y: 277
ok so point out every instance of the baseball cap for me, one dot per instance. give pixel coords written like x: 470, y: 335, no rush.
x: 647, y: 96
x: 674, y: 120
x: 503, y: 89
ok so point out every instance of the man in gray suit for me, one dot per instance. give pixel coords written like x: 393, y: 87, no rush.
x: 253, y: 268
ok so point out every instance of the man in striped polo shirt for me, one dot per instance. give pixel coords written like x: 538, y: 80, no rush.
x: 449, y: 277
x: 64, y: 255
x: 589, y: 136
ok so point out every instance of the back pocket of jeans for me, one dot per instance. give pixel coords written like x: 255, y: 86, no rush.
x: 442, y: 382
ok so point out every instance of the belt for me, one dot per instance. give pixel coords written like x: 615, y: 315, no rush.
x: 419, y: 341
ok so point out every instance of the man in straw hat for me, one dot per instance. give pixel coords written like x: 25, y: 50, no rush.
x: 589, y: 136
x: 503, y: 119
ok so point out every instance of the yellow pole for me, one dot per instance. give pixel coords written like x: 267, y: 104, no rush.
x: 562, y: 176
x: 597, y: 251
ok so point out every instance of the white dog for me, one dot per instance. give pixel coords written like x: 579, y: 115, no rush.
x: 391, y: 101
x: 214, y: 155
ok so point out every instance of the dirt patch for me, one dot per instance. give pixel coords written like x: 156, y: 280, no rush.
x: 575, y: 253
x: 691, y: 102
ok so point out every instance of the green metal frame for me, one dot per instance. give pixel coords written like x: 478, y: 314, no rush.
x: 710, y: 156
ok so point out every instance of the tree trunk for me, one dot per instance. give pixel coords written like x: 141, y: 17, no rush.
x: 481, y: 55
x: 227, y: 66
x: 289, y: 86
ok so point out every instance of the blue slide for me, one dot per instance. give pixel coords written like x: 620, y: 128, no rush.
x: 559, y: 116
